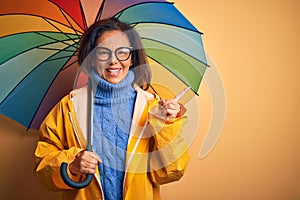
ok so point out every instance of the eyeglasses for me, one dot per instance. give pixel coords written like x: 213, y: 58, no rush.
x: 121, y: 53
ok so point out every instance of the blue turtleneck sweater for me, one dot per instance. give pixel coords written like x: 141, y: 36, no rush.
x: 113, y: 109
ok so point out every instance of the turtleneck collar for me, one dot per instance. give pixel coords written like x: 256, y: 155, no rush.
x: 106, y: 89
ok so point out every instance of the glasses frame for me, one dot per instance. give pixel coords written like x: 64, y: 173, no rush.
x: 115, y: 52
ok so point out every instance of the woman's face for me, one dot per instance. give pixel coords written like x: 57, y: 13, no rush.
x: 109, y: 49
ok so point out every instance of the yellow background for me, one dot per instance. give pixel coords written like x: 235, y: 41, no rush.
x: 255, y: 46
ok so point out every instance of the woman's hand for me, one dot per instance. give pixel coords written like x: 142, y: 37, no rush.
x: 85, y: 162
x: 169, y: 108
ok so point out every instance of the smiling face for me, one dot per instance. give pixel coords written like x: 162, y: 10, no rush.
x: 112, y: 70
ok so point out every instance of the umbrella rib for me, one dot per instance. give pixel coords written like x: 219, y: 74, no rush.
x: 141, y: 3
x: 44, y: 48
x: 62, y: 57
x: 58, y: 58
x: 62, y: 41
x: 154, y: 90
x: 83, y: 15
x: 174, y: 48
x: 195, y: 31
x: 67, y: 66
x: 59, y: 29
x: 63, y: 11
x: 69, y: 22
x: 98, y: 16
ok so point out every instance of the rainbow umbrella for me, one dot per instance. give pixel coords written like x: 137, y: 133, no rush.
x: 39, y: 40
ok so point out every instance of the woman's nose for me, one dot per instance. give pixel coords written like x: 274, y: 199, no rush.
x: 113, y: 59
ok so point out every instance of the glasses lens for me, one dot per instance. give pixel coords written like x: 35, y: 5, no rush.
x: 123, y: 53
x: 103, y: 53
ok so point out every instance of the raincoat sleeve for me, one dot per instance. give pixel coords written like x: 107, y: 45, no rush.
x: 52, y: 148
x: 169, y: 157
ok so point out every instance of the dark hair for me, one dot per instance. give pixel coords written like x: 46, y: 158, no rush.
x: 139, y: 66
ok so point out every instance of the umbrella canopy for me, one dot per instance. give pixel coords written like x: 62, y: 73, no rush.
x: 39, y: 40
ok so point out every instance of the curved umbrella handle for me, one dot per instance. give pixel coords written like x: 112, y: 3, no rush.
x: 70, y: 182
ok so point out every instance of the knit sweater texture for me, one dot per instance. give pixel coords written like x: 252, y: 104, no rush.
x: 113, y: 110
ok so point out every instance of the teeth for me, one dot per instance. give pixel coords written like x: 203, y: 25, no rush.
x: 113, y: 70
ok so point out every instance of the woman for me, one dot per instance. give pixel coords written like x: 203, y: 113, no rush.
x: 135, y: 151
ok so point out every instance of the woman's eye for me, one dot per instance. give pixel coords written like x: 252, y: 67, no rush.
x: 102, y: 52
x: 123, y: 51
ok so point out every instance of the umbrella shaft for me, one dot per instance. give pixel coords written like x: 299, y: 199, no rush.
x: 90, y: 109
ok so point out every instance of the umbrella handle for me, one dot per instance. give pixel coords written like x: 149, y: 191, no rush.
x: 70, y: 182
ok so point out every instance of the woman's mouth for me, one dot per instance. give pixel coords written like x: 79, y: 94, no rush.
x: 113, y: 71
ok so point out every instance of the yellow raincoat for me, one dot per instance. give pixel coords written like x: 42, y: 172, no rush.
x: 156, y: 151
